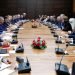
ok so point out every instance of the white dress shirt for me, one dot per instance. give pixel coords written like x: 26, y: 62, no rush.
x: 72, y: 22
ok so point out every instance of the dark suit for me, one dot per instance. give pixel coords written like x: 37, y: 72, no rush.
x: 67, y: 26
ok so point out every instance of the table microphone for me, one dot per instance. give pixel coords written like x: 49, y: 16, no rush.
x: 24, y: 67
x: 27, y: 63
x: 20, y: 49
x: 58, y: 40
x: 60, y: 68
x: 59, y: 50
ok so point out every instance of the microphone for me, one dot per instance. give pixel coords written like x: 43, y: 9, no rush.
x: 55, y: 35
x: 62, y: 59
x: 24, y: 66
x: 60, y: 68
x: 20, y: 49
x: 27, y: 62
x: 59, y: 50
x: 58, y: 40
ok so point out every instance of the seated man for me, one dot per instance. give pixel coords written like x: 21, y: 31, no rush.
x: 13, y: 21
x: 8, y: 19
x: 3, y: 25
x: 45, y: 20
x: 52, y: 19
x: 63, y: 23
x: 67, y: 25
x: 42, y: 18
x: 58, y: 22
x: 24, y: 16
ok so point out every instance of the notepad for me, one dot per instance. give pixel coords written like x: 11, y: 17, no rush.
x: 6, y: 72
x: 4, y: 54
x: 21, y: 28
x: 13, y: 45
x: 4, y: 66
x: 12, y: 52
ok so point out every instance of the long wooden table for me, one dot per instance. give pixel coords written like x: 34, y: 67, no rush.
x: 42, y: 61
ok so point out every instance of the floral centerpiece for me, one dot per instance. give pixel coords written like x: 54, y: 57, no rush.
x: 39, y: 43
x: 5, y: 44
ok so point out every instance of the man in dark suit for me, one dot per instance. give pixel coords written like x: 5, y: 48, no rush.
x: 67, y: 25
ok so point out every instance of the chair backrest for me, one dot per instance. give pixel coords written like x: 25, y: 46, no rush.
x: 73, y: 69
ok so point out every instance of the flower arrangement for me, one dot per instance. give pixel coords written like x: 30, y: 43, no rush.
x: 39, y: 43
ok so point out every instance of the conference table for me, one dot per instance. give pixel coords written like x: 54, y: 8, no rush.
x: 42, y: 62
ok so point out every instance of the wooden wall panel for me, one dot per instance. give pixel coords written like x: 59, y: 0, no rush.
x: 73, y: 5
x: 35, y: 7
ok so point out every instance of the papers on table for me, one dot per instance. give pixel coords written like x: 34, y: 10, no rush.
x: 21, y: 28
x: 4, y: 54
x: 6, y: 72
x: 12, y: 52
x: 4, y: 66
x: 15, y: 46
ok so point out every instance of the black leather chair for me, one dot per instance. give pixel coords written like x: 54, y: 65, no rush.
x: 73, y: 69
